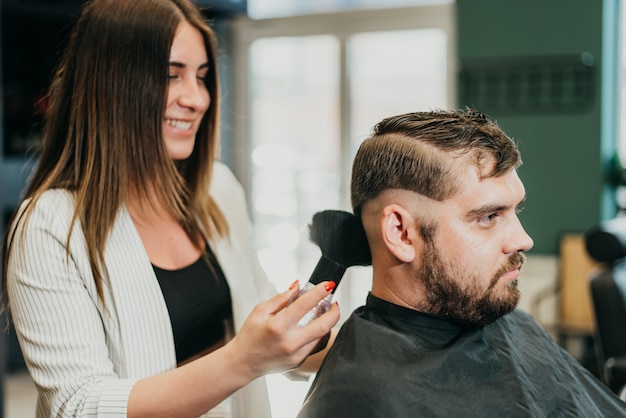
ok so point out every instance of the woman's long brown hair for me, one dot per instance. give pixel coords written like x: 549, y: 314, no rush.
x: 102, y: 136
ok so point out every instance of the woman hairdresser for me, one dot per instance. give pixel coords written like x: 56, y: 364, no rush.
x: 128, y: 265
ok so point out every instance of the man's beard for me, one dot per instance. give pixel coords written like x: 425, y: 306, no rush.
x: 458, y: 297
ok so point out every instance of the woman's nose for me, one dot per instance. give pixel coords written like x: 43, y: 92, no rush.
x: 195, y: 96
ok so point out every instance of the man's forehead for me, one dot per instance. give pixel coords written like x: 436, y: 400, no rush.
x: 506, y: 190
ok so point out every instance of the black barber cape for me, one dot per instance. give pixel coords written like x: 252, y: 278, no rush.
x: 391, y: 362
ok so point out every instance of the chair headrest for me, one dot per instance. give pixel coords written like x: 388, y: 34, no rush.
x: 607, y: 241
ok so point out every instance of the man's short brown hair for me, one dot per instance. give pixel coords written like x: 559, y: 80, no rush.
x: 419, y: 152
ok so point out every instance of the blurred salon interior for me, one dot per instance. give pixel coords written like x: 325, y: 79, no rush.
x: 304, y: 81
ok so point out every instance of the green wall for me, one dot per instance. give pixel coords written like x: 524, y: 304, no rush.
x: 562, y: 145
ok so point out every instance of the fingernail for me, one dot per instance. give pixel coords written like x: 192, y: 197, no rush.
x: 330, y: 286
x: 336, y: 303
x: 293, y: 285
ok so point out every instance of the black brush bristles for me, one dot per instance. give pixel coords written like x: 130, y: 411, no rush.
x: 343, y: 243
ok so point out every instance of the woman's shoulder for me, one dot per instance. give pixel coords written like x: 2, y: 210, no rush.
x: 222, y: 174
x: 52, y: 206
x: 224, y: 185
x: 57, y: 199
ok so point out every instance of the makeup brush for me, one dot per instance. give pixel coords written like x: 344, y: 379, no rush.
x: 341, y: 238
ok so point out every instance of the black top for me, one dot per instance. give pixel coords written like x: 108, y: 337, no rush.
x: 390, y: 361
x: 198, y: 301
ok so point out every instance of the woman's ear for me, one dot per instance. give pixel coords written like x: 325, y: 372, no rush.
x: 397, y: 226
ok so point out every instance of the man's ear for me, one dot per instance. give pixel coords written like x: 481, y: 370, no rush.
x: 397, y: 225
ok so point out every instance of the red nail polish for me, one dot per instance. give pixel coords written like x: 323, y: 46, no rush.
x: 330, y: 286
x: 293, y: 285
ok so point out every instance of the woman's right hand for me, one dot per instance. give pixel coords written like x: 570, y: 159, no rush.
x: 270, y: 339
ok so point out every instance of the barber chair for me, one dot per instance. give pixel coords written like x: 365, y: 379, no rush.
x: 606, y: 244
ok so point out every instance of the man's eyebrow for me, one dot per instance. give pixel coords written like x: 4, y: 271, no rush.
x: 487, y: 209
x: 493, y: 208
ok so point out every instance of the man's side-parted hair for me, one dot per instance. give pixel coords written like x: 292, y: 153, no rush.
x: 418, y: 151
x: 103, y: 135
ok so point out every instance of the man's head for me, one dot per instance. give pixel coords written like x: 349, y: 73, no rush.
x: 439, y: 194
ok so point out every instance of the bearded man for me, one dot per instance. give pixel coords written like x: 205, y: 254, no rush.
x: 438, y: 194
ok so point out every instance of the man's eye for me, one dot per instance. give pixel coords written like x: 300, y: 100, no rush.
x: 488, y: 218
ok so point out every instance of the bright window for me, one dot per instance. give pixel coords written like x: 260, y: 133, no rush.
x: 294, y: 99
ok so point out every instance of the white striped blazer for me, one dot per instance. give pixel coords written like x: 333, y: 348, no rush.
x: 85, y: 358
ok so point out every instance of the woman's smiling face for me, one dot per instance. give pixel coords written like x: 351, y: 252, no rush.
x: 187, y: 97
